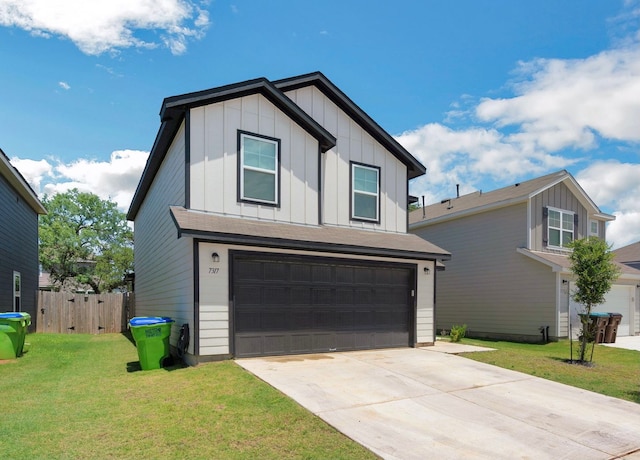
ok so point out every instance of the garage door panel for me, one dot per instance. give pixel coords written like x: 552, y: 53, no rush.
x: 287, y: 305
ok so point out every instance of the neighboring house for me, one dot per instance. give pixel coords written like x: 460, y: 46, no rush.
x: 271, y: 218
x: 509, y: 276
x: 629, y: 255
x: 19, y: 210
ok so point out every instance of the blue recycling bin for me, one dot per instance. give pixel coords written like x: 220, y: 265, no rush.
x: 151, y: 334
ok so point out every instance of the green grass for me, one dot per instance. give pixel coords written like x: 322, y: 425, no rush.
x: 83, y: 397
x: 615, y: 372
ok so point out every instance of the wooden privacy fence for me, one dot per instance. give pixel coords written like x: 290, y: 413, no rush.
x: 68, y: 313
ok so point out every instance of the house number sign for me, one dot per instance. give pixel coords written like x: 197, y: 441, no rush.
x: 213, y: 270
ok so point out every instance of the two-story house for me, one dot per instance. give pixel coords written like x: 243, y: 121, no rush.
x: 271, y: 217
x: 19, y: 211
x: 509, y: 276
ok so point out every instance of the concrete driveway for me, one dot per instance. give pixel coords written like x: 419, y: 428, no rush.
x: 422, y: 404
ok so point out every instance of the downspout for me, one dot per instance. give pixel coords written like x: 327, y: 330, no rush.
x: 196, y: 299
x: 319, y: 184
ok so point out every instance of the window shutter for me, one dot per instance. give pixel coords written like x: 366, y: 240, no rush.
x: 575, y: 226
x: 545, y: 228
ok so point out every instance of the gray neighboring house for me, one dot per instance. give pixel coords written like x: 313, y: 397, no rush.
x: 19, y: 210
x: 271, y: 217
x: 629, y: 255
x: 509, y: 276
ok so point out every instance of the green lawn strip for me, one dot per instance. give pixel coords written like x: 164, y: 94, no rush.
x: 74, y: 397
x: 614, y: 371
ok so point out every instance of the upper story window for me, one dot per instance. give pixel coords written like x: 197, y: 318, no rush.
x: 560, y: 227
x: 594, y: 228
x: 365, y: 192
x: 259, y: 169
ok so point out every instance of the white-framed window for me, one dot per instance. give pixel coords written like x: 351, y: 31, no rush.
x: 17, y: 291
x: 594, y: 228
x: 258, y: 169
x: 365, y: 192
x: 560, y: 226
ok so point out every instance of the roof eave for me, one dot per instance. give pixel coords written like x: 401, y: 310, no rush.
x: 173, y: 111
x: 18, y: 182
x: 318, y: 79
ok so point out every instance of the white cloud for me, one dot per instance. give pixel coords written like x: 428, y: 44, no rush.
x: 569, y: 103
x: 468, y: 155
x: 561, y: 115
x: 616, y: 185
x: 115, y: 179
x: 64, y: 85
x: 98, y: 27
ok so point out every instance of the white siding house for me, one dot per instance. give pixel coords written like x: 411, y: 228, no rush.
x: 271, y: 219
x: 509, y: 276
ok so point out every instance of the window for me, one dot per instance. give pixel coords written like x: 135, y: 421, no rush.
x: 258, y: 165
x: 17, y: 290
x: 365, y: 192
x: 594, y: 229
x: 560, y: 226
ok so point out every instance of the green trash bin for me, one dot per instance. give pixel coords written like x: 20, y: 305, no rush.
x: 13, y: 328
x: 151, y: 334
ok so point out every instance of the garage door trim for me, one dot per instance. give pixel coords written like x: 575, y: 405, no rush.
x: 235, y: 255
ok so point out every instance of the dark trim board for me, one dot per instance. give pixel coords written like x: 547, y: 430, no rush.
x: 291, y: 304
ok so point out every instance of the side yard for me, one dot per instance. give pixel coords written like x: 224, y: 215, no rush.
x: 83, y: 396
x: 615, y: 372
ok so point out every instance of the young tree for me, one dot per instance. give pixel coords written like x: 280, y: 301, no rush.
x: 594, y: 271
x: 85, y: 240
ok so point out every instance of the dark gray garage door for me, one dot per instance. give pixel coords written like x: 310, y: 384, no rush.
x: 290, y: 305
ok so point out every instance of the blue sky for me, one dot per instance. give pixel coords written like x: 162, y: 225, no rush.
x: 484, y: 93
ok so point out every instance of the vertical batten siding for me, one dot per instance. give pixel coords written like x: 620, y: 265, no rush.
x: 163, y: 262
x: 487, y: 284
x: 424, y: 302
x: 560, y: 197
x: 18, y: 250
x: 354, y: 144
x: 214, y: 160
x: 214, y: 300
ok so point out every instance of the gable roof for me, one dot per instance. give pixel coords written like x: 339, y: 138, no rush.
x: 629, y: 255
x: 483, y: 201
x: 317, y: 79
x: 18, y: 182
x: 174, y: 109
x: 233, y: 230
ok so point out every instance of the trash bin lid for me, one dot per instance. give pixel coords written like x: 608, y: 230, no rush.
x: 599, y: 314
x: 149, y: 320
x: 11, y: 315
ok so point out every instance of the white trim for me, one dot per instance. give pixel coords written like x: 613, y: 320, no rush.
x: 274, y: 172
x: 364, y: 192
x: 560, y: 229
x: 16, y: 294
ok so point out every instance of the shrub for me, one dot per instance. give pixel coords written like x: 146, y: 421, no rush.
x: 458, y: 332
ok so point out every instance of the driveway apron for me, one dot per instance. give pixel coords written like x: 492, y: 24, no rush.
x: 419, y: 404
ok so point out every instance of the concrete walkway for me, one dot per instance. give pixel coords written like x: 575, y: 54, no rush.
x: 629, y: 342
x: 418, y: 404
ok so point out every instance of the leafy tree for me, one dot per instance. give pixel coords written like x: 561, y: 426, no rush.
x: 593, y: 267
x: 85, y: 240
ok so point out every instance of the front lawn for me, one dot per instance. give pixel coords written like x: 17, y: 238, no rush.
x: 615, y: 372
x: 84, y: 397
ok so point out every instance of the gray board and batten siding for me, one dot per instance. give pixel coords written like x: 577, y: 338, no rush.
x: 19, y: 210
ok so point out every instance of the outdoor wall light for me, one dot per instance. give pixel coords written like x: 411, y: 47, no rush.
x: 565, y: 281
x: 426, y: 270
x: 215, y: 257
